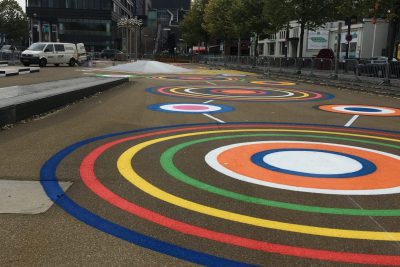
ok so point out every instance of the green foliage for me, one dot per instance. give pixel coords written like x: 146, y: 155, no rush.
x: 353, y: 8
x: 13, y: 20
x: 218, y: 19
x: 193, y: 26
x: 388, y: 9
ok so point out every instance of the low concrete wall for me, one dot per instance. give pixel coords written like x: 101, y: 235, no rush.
x: 14, y: 113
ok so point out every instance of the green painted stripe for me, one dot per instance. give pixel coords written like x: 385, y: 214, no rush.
x: 168, y: 165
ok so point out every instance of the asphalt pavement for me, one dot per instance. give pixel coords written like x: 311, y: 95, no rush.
x: 206, y: 168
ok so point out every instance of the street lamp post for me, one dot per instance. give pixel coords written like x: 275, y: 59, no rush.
x: 132, y: 24
x: 124, y: 24
x: 136, y: 25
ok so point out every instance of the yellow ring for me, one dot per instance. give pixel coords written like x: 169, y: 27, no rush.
x: 124, y: 165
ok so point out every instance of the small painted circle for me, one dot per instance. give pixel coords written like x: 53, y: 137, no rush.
x: 271, y: 83
x: 362, y: 110
x: 313, y: 163
x: 238, y: 92
x: 190, y: 108
x: 297, y: 166
x: 195, y: 78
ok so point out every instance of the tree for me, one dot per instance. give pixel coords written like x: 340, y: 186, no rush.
x: 13, y: 21
x: 310, y: 14
x: 389, y: 10
x: 218, y: 19
x: 348, y: 9
x: 257, y: 22
x: 193, y: 25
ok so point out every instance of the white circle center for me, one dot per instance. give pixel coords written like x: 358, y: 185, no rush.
x: 348, y: 110
x: 202, y: 108
x: 313, y: 162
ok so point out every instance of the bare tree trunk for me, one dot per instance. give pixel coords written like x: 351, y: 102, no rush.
x: 393, y: 28
x: 302, y: 27
x: 256, y: 46
x: 239, y: 47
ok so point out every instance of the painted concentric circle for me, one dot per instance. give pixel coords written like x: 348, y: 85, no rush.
x: 240, y: 93
x: 307, y: 169
x: 190, y: 108
x: 363, y: 110
x: 197, y: 78
x: 272, y: 83
x: 202, y: 186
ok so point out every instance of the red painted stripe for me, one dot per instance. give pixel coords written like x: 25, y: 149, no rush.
x: 91, y: 181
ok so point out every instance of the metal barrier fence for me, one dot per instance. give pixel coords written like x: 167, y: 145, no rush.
x: 380, y: 71
x: 10, y: 58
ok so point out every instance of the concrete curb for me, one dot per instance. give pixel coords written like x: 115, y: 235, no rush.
x: 10, y: 71
x: 14, y: 113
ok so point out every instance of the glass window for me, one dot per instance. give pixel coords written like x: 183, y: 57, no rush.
x: 34, y: 3
x: 59, y: 47
x: 271, y: 50
x: 49, y: 48
x: 37, y: 47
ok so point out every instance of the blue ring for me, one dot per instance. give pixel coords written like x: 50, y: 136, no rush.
x: 367, y: 166
x: 51, y: 186
x: 361, y: 109
x: 157, y: 107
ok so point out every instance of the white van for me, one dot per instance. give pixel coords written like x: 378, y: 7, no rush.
x: 54, y: 53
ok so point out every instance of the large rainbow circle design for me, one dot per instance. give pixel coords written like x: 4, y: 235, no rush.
x: 204, y: 185
x: 362, y: 110
x: 198, y: 78
x: 241, y: 93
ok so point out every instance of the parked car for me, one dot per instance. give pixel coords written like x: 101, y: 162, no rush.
x: 374, y: 67
x: 54, y: 53
x: 325, y: 59
x: 8, y: 51
x: 113, y: 54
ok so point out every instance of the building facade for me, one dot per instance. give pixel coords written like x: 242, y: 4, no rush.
x: 169, y: 14
x: 92, y: 22
x: 369, y: 39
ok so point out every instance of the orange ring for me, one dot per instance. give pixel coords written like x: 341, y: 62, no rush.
x: 334, y: 108
x: 237, y: 160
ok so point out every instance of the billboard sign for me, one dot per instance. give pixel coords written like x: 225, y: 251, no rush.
x: 318, y: 40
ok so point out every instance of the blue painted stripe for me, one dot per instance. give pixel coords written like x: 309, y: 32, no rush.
x: 52, y: 187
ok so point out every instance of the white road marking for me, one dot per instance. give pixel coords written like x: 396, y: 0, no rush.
x: 25, y: 197
x: 211, y: 117
x: 211, y: 83
x: 209, y: 101
x: 352, y: 120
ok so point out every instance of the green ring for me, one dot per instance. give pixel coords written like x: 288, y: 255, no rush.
x: 168, y: 165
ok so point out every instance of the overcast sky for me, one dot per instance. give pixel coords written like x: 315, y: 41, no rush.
x: 21, y: 3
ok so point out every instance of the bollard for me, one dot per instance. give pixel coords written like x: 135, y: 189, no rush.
x: 386, y: 80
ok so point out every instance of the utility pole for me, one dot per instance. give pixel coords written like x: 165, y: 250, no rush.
x: 339, y: 42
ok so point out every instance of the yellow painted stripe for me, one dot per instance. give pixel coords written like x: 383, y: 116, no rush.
x: 125, y: 168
